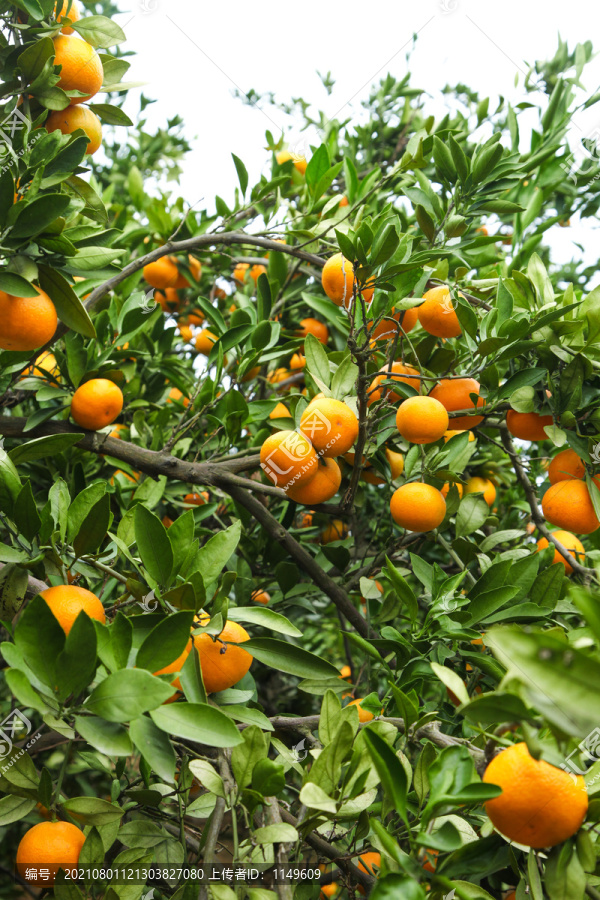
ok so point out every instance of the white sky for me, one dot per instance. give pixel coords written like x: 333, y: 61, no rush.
x: 193, y: 54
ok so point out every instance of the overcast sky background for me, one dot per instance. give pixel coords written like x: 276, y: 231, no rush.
x: 193, y: 55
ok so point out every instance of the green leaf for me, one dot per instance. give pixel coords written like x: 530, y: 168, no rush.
x: 275, y: 834
x: 390, y: 770
x: 394, y: 886
x: 166, y: 642
x: 10, y: 483
x: 317, y: 362
x: 111, y: 115
x: 241, y: 172
x: 93, y: 529
x: 109, y: 738
x: 315, y: 797
x: 36, y: 215
x: 26, y: 516
x: 197, y: 722
x: 33, y: 59
x: 40, y: 448
x: 289, y: 658
x: 83, y: 503
x: 93, y: 811
x: 40, y: 639
x: 265, y: 617
x: 153, y: 545
x: 15, y: 284
x: 127, y: 694
x: 13, y: 809
x: 69, y: 307
x: 99, y: 31
x: 472, y: 513
x: 318, y: 165
x: 344, y: 379
x: 76, y: 663
x: 155, y: 747
x: 214, y: 555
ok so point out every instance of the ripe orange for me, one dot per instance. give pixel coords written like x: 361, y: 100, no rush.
x: 477, y: 485
x: 396, y: 461
x: 417, y: 507
x: 306, y: 520
x: 256, y: 271
x: 421, y: 420
x: 176, y: 666
x: 330, y: 425
x: 260, y: 597
x: 162, y: 273
x: 328, y: 890
x: 66, y: 601
x: 453, y: 432
x: 251, y: 373
x: 288, y: 459
x: 369, y: 861
x: 335, y: 531
x: 81, y: 67
x: 363, y: 714
x: 437, y: 315
x: 44, y: 365
x: 367, y: 474
x: 73, y: 14
x: 195, y: 318
x: 297, y: 362
x: 73, y: 117
x: 280, y: 412
x: 26, y: 323
x: 119, y: 472
x: 278, y: 375
x: 321, y: 487
x: 175, y: 395
x: 300, y: 162
x: 186, y: 333
x: 453, y: 393
x: 96, y: 403
x: 540, y: 805
x: 431, y: 856
x: 446, y: 488
x: 565, y: 466
x: 570, y: 542
x: 346, y: 673
x: 527, y: 426
x: 568, y: 505
x: 399, y: 372
x: 49, y: 845
x: 337, y: 279
x: 313, y: 326
x: 195, y: 268
x: 404, y: 320
x: 205, y: 341
x: 169, y: 301
x: 223, y: 663
x: 167, y: 522
x: 240, y: 272
x: 118, y: 430
x: 196, y: 499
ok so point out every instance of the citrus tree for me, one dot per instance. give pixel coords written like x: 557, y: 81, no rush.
x: 298, y: 498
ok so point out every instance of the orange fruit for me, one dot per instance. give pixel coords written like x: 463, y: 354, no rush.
x: 73, y: 14
x: 196, y: 499
x: 313, y: 326
x: 133, y: 478
x: 49, y: 845
x: 404, y: 320
x: 195, y: 318
x: 540, y: 805
x: 186, y: 333
x: 421, y: 420
x: 306, y: 520
x: 453, y: 393
x: 176, y: 666
x: 288, y: 459
x: 169, y: 301
x: 162, y: 273
x: 399, y: 372
x: 417, y: 507
x: 280, y: 412
x: 363, y: 714
x: 446, y: 488
x: 330, y: 425
x: 396, y: 461
x: 369, y: 861
x: 118, y: 430
x: 437, y: 315
x: 300, y: 162
x: 66, y: 601
x: 205, y: 341
x: 256, y: 271
x: 297, y: 362
x: 565, y: 466
x: 527, y: 426
x: 26, y: 323
x: 477, y: 485
x: 328, y: 890
x: 260, y: 597
x: 73, y: 117
x: 346, y: 672
x: 167, y: 522
x: 96, y: 403
x: 195, y: 268
x: 321, y: 487
x: 175, y: 395
x: 251, y: 373
x: 453, y: 432
x: 337, y: 279
x: 44, y: 365
x: 223, y: 663
x: 431, y: 856
x: 344, y: 201
x: 278, y: 375
x: 568, y: 505
x: 335, y: 531
x: 240, y: 272
x: 570, y: 542
x: 81, y: 67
